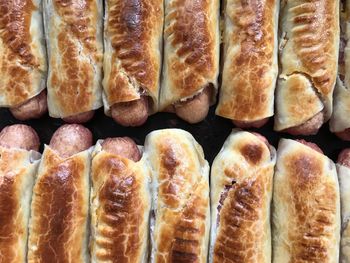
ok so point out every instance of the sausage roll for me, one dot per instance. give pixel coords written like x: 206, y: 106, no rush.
x: 250, y: 60
x: 308, y: 54
x: 75, y: 50
x: 191, y: 57
x: 340, y: 122
x: 343, y: 168
x: 306, y: 208
x: 132, y: 59
x: 180, y: 219
x: 23, y: 66
x: 17, y: 174
x: 241, y: 191
x: 60, y: 207
x: 120, y: 208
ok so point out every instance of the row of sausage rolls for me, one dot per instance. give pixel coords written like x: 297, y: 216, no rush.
x: 303, y: 185
x: 128, y: 51
x: 49, y: 206
x: 132, y: 61
x: 151, y: 203
x: 308, y: 44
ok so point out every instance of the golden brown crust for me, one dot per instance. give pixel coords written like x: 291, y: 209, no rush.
x: 181, y: 238
x: 309, y: 47
x: 59, y: 210
x: 313, y: 33
x: 120, y: 216
x: 19, y: 59
x: 306, y: 192
x: 10, y: 228
x: 308, y: 244
x: 241, y: 190
x: 133, y: 29
x: 250, y: 73
x: 189, y: 229
x: 75, y: 56
x: 181, y: 220
x: 16, y: 180
x: 240, y: 229
x: 190, y: 50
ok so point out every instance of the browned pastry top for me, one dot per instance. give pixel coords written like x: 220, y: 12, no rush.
x: 183, y: 199
x: 240, y: 229
x: 18, y: 57
x: 14, y: 169
x: 59, y: 210
x: 313, y: 33
x: 307, y: 201
x: 74, y: 51
x: 241, y: 190
x: 190, y: 38
x: 9, y: 227
x: 250, y: 67
x: 314, y: 205
x: 121, y: 208
x: 132, y: 29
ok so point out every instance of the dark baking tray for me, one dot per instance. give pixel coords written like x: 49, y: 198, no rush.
x: 211, y: 133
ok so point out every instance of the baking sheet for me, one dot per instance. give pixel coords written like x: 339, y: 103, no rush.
x: 211, y: 133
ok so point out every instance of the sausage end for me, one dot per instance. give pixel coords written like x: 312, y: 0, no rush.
x: 20, y: 136
x: 123, y: 146
x: 70, y: 139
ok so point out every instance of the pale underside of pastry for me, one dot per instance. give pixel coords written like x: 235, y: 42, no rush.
x: 344, y: 184
x: 309, y: 44
x: 17, y: 174
x: 340, y: 120
x: 58, y: 229
x: 250, y: 60
x: 120, y: 208
x: 306, y: 207
x: 180, y: 219
x: 241, y: 191
x: 133, y: 51
x: 191, y: 50
x: 23, y: 66
x: 75, y: 49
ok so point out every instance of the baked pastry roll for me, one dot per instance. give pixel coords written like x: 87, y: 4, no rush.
x: 58, y: 229
x: 180, y: 219
x: 241, y: 191
x: 18, y: 167
x: 120, y: 206
x: 23, y: 68
x: 75, y: 50
x: 339, y: 123
x: 343, y: 168
x: 306, y: 208
x: 308, y: 55
x: 250, y: 61
x: 191, y: 58
x: 132, y: 59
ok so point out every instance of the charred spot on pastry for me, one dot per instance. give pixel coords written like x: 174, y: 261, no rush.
x: 252, y: 153
x: 179, y: 256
